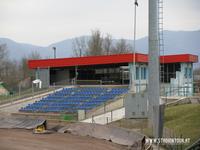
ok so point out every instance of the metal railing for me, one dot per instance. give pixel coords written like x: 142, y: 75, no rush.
x: 194, y: 146
x: 177, y: 91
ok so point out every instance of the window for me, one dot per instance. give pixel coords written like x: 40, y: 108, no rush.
x: 137, y: 73
x: 126, y: 75
x: 188, y: 73
x: 143, y: 73
x: 99, y: 71
x: 111, y: 70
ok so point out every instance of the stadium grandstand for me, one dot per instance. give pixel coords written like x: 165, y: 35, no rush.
x: 69, y: 100
x: 110, y: 74
x: 116, y: 70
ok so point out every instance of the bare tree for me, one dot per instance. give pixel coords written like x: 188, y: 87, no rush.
x: 3, y: 52
x: 79, y: 46
x: 34, y: 55
x: 95, y: 44
x: 121, y: 47
x: 12, y: 71
x: 3, y: 59
x: 25, y: 71
x: 12, y: 74
x: 98, y: 45
x: 107, y: 44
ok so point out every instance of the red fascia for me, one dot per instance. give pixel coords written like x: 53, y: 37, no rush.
x: 84, y: 61
x: 108, y: 59
x: 182, y: 58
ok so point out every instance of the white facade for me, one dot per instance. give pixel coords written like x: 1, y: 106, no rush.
x: 180, y: 85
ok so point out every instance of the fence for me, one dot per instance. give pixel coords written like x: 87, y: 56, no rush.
x: 24, y: 94
x: 170, y: 133
x: 194, y: 146
x: 177, y: 91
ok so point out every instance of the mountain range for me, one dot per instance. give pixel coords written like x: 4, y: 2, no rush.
x: 176, y: 42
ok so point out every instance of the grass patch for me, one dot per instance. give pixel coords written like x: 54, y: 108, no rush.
x: 184, y: 120
x: 68, y: 117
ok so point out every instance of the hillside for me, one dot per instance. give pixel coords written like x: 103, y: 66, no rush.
x: 176, y: 42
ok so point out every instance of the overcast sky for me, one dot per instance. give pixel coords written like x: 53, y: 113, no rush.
x: 43, y: 22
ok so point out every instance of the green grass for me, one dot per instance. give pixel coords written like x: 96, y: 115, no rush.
x: 68, y: 117
x: 184, y: 120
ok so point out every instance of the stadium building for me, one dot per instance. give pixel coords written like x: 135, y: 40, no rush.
x: 176, y: 71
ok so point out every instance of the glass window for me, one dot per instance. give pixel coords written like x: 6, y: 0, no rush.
x: 99, y: 71
x: 143, y: 73
x: 190, y: 72
x: 185, y: 73
x: 126, y: 75
x: 137, y: 73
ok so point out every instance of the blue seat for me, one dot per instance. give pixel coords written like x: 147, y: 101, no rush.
x: 73, y: 99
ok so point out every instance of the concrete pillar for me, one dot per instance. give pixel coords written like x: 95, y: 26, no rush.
x: 154, y: 66
x: 81, y: 115
x: 154, y: 63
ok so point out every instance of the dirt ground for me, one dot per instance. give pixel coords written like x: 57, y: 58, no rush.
x: 20, y: 139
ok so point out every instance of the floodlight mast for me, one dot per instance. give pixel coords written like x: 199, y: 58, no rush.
x: 132, y: 88
x: 153, y: 65
x: 54, y: 50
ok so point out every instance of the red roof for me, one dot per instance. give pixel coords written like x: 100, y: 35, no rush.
x: 106, y: 59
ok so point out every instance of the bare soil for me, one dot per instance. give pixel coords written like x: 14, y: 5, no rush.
x: 20, y: 139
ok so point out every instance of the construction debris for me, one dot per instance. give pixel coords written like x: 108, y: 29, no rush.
x: 114, y: 134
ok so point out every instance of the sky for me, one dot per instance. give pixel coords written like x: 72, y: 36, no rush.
x: 43, y: 22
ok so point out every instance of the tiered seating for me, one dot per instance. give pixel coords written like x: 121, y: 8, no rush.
x: 73, y: 99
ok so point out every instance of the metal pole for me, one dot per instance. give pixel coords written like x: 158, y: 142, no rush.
x: 134, y: 49
x: 188, y: 74
x: 80, y: 50
x: 154, y: 66
x: 76, y: 74
x: 32, y: 90
x: 122, y: 77
x: 54, y: 50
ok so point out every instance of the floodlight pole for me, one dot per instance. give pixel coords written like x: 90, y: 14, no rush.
x: 54, y: 50
x: 154, y: 68
x: 132, y: 89
x: 32, y: 90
